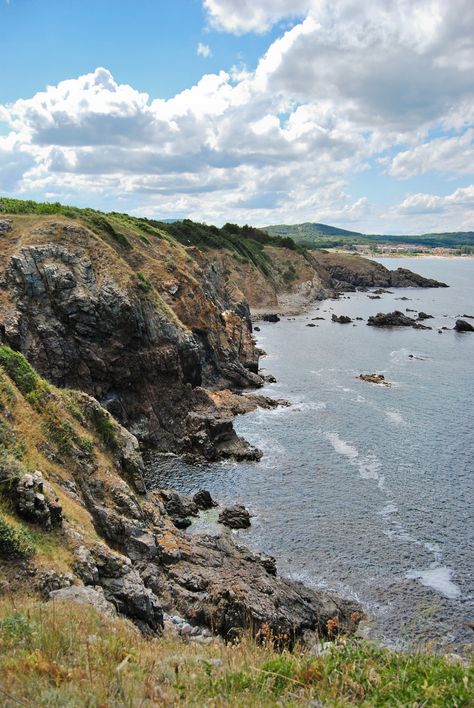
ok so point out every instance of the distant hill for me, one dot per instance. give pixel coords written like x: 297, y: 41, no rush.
x: 315, y: 235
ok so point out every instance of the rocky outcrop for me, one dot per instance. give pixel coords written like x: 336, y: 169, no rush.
x: 235, y: 517
x: 463, y: 326
x: 5, y: 226
x: 342, y: 319
x: 362, y: 273
x: 390, y: 319
x: 86, y: 322
x: 236, y: 404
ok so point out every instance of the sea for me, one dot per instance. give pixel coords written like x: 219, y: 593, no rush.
x: 364, y: 490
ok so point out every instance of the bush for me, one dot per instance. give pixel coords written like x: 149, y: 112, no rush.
x: 105, y: 426
x: 17, y: 367
x: 15, y: 542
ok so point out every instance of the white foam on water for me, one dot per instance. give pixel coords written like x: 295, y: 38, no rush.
x: 438, y: 578
x: 341, y: 446
x: 395, y: 417
x: 369, y: 467
x: 435, y: 549
x: 388, y: 509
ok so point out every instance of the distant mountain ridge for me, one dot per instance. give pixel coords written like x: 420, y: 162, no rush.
x: 318, y: 235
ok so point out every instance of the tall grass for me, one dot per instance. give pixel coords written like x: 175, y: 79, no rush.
x: 64, y: 655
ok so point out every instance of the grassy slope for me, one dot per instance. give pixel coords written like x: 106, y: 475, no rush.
x: 246, y: 243
x: 323, y: 236
x: 54, y: 655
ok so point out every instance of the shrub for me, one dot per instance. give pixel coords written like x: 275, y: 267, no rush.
x: 105, y: 426
x: 15, y: 542
x: 143, y: 282
x: 17, y: 367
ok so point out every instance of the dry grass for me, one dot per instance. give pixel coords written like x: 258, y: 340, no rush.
x: 61, y: 654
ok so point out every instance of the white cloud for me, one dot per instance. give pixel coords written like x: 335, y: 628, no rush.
x: 203, y: 50
x: 350, y: 83
x: 451, y: 155
x: 462, y: 198
x: 240, y: 16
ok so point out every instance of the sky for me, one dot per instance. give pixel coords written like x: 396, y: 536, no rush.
x: 355, y: 113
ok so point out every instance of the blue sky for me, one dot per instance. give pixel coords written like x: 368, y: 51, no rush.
x: 358, y: 114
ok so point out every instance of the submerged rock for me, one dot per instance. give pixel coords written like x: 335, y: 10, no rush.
x: 374, y: 378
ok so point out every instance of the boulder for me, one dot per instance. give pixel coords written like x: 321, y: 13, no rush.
x: 235, y: 517
x: 5, y: 226
x: 271, y: 317
x: 93, y: 596
x: 424, y: 316
x: 463, y: 326
x: 390, y: 319
x: 36, y: 501
x: 342, y: 319
x: 203, y: 500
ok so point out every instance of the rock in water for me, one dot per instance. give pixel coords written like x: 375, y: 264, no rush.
x: 342, y: 319
x: 235, y: 517
x: 374, y: 378
x: 270, y: 318
x: 424, y: 316
x: 203, y: 500
x: 390, y: 319
x: 463, y: 326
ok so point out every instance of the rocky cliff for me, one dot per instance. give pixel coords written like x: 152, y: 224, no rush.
x: 143, y: 327
x: 137, y: 315
x: 75, y: 523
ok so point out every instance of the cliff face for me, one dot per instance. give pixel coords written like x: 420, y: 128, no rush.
x: 88, y: 317
x: 75, y: 523
x: 119, y: 308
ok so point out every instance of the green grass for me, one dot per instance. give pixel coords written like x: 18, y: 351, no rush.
x: 53, y: 654
x: 24, y: 376
x: 16, y: 542
x: 105, y: 427
x: 243, y: 242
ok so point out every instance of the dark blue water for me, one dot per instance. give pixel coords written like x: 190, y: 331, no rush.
x: 363, y: 489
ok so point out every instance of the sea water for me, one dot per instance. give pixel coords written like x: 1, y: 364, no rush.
x: 365, y: 490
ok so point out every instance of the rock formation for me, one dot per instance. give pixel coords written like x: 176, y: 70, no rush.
x: 463, y: 326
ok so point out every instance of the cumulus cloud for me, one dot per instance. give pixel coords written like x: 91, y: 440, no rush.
x: 452, y: 155
x: 240, y: 16
x: 348, y: 84
x: 462, y: 198
x: 203, y: 50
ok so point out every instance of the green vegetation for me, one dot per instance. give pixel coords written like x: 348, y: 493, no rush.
x: 143, y: 282
x: 314, y: 235
x: 15, y: 541
x: 51, y: 654
x: 105, y: 426
x: 18, y: 369
x: 245, y: 243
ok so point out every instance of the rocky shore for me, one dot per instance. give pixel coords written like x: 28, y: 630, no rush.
x: 149, y: 344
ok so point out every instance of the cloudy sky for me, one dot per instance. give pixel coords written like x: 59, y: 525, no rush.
x: 357, y: 113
